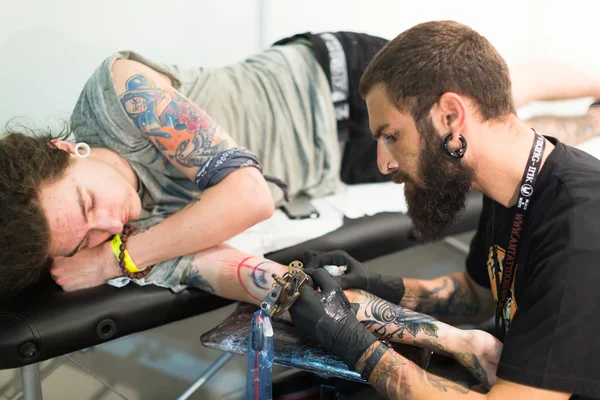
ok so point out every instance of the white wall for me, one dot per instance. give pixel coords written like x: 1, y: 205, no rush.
x: 49, y: 48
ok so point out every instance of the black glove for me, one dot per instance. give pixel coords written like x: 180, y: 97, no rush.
x: 390, y: 288
x: 327, y: 317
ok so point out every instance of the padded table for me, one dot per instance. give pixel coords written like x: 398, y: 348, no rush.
x: 46, y: 322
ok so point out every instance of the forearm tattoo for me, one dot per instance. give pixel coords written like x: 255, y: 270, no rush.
x: 451, y: 298
x: 397, y: 378
x: 195, y: 279
x: 389, y: 321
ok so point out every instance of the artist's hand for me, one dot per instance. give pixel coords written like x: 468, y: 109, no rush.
x: 328, y: 318
x: 480, y: 355
x: 357, y: 276
x: 89, y: 267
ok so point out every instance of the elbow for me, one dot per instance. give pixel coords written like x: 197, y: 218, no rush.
x: 259, y: 201
x: 264, y: 206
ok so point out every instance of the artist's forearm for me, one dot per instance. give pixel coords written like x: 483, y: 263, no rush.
x: 450, y: 299
x: 569, y: 130
x: 544, y: 80
x: 401, y: 325
x: 398, y: 378
x: 235, y: 204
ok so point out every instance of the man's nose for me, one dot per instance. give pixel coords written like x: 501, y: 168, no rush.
x: 385, y: 161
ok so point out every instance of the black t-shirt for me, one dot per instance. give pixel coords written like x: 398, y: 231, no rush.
x: 553, y: 339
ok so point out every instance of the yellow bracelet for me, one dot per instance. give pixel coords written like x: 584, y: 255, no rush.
x: 116, y: 247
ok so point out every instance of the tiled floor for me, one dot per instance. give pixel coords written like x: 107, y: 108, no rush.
x: 163, y: 362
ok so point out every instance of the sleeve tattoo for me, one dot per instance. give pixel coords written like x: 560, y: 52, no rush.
x: 389, y: 321
x: 178, y: 127
x: 398, y: 378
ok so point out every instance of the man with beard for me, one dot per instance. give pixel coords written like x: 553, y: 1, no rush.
x: 440, y: 106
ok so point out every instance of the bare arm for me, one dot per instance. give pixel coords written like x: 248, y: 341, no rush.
x: 188, y: 138
x: 454, y: 299
x: 545, y: 80
x: 398, y: 378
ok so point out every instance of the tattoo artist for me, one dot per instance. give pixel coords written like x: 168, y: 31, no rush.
x: 533, y: 262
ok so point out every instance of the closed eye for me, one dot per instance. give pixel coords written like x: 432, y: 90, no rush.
x: 86, y: 239
x: 93, y: 201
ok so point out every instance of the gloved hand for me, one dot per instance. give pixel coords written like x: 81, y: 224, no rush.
x: 390, y: 288
x: 327, y: 317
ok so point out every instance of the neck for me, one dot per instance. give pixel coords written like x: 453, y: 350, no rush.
x: 500, y: 171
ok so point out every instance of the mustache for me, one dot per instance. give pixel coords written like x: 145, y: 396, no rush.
x: 400, y: 177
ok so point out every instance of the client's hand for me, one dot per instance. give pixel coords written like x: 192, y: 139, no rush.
x: 327, y: 317
x: 390, y: 288
x: 89, y: 267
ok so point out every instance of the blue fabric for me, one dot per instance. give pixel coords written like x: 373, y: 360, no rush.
x: 225, y: 162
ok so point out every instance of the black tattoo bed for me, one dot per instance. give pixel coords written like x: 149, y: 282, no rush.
x: 47, y: 322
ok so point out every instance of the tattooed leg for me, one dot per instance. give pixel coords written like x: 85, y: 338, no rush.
x: 569, y: 130
x: 477, y: 351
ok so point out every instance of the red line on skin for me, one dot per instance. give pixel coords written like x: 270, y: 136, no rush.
x: 241, y: 264
x: 239, y: 274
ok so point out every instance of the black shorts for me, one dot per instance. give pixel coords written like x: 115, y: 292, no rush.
x: 359, y: 158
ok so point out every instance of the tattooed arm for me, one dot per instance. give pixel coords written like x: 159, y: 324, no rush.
x: 229, y: 273
x: 455, y: 299
x: 476, y: 350
x: 543, y: 81
x: 398, y: 378
x: 188, y: 138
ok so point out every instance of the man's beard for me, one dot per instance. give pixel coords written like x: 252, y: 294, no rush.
x: 435, y: 203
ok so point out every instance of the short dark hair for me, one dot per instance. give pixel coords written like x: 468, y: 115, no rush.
x: 432, y: 58
x: 28, y: 161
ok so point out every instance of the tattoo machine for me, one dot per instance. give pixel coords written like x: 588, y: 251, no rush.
x: 286, y: 290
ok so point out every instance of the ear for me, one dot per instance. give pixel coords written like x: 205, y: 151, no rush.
x: 65, y: 146
x: 450, y: 114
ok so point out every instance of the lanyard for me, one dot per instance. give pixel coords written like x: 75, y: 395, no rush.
x: 523, y: 205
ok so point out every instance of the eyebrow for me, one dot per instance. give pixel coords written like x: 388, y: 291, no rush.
x: 379, y: 131
x: 85, y: 218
